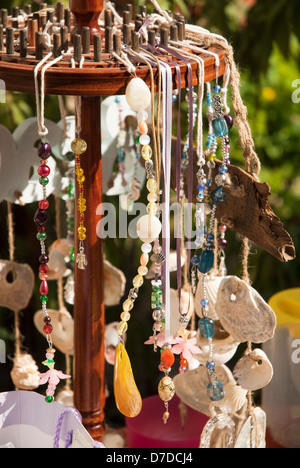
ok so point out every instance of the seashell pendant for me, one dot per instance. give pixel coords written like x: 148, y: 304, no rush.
x: 127, y: 396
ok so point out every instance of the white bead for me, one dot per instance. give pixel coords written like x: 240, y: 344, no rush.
x: 138, y: 95
x: 142, y: 116
x: 146, y: 248
x: 148, y: 228
x: 144, y: 140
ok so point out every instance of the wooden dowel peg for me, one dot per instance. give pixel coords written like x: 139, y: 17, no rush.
x: 135, y: 41
x: 77, y: 48
x: 68, y: 17
x: 108, y: 19
x: 108, y: 40
x: 164, y: 36
x: 10, y: 49
x: 64, y: 33
x: 56, y: 45
x: 27, y: 9
x: 23, y: 43
x: 1, y: 38
x: 43, y: 6
x: 138, y: 25
x: 60, y: 12
x: 152, y: 37
x: 39, y: 48
x: 126, y: 34
x: 126, y: 17
x: 86, y: 40
x: 117, y: 44
x: 15, y: 12
x: 174, y: 32
x: 180, y: 30
x: 4, y: 17
x: 129, y: 8
x: 97, y: 48
x: 33, y: 27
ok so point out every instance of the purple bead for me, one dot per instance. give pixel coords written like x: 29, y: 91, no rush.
x: 47, y: 319
x: 222, y: 243
x: 229, y: 120
x: 44, y: 150
x: 43, y: 259
x: 40, y: 217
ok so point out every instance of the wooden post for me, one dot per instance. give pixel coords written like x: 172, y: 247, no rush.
x: 89, y: 320
x: 87, y: 14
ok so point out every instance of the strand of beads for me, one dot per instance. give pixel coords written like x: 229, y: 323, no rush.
x: 79, y: 147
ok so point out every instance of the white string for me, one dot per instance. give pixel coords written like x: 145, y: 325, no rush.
x: 42, y: 130
x: 117, y: 17
x: 162, y: 12
x: 123, y: 58
x: 78, y: 100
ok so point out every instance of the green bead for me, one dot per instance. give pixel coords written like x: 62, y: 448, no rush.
x: 44, y: 298
x: 41, y: 236
x: 44, y: 181
x: 49, y: 399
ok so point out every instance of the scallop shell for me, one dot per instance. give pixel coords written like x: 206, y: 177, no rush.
x: 63, y: 329
x: 25, y: 373
x: 253, y: 371
x: 114, y: 284
x: 243, y: 312
x: 191, y: 387
x: 223, y: 345
x: 253, y: 432
x: 234, y: 398
x: 212, y: 287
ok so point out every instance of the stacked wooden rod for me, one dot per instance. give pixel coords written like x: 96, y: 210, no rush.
x: 22, y: 33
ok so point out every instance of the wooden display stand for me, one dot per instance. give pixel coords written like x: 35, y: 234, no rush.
x: 91, y: 82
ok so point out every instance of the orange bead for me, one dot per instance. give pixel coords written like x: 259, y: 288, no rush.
x: 143, y: 127
x: 144, y: 259
x: 167, y: 358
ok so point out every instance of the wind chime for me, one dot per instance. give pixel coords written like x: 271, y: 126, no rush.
x: 154, y: 59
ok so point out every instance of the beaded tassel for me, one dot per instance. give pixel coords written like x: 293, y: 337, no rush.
x: 79, y: 147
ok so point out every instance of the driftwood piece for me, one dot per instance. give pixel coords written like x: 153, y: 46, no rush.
x: 247, y: 210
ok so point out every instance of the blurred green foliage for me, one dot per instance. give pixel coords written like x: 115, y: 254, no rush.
x: 265, y: 35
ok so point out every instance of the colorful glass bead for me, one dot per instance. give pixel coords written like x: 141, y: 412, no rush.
x: 49, y: 399
x: 146, y: 152
x: 122, y: 328
x: 78, y: 146
x: 138, y: 281
x: 43, y: 171
x: 125, y: 316
x: 44, y: 288
x: 40, y: 217
x: 216, y: 392
x: 220, y: 127
x: 127, y: 305
x: 216, y: 89
x: 48, y: 329
x: 44, y: 151
x: 218, y: 195
x: 229, y: 121
x: 152, y: 185
x: 44, y: 204
x: 167, y: 358
x: 44, y: 181
x: 206, y: 261
x: 207, y: 327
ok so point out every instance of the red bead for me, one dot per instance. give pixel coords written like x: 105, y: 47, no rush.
x: 43, y: 171
x: 48, y: 329
x: 44, y: 204
x: 44, y: 289
x: 223, y: 228
x: 41, y: 229
x: 222, y: 243
x: 167, y: 358
x: 43, y: 268
x: 183, y: 362
x: 82, y: 219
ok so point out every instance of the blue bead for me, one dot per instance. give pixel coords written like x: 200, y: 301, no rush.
x: 216, y: 89
x: 207, y: 327
x: 220, y: 127
x: 210, y: 365
x: 223, y: 169
x: 195, y: 260
x: 204, y: 302
x: 200, y: 187
x: 208, y: 102
x: 216, y: 392
x: 218, y: 195
x: 206, y: 261
x: 210, y: 237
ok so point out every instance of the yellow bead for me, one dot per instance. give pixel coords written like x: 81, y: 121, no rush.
x: 138, y: 281
x: 82, y: 208
x: 79, y: 171
x: 146, y: 152
x: 81, y: 237
x: 127, y: 305
x: 81, y: 230
x: 78, y: 146
x: 81, y: 179
x: 142, y: 270
x: 152, y: 185
x: 152, y: 208
x: 152, y: 197
x: 122, y: 328
x: 81, y: 201
x: 125, y: 316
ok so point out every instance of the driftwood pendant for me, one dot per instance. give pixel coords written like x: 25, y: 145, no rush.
x: 16, y: 285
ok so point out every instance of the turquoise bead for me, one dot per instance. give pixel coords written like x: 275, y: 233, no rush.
x: 216, y: 392
x: 206, y: 261
x: 220, y: 127
x: 218, y: 195
x: 207, y: 327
